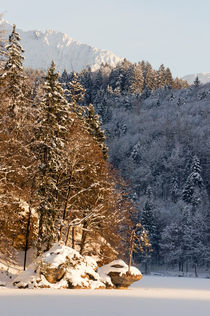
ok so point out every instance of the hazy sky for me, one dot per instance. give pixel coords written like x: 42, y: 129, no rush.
x: 173, y: 32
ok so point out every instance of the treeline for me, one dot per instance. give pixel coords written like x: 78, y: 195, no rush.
x: 125, y: 78
x: 55, y: 181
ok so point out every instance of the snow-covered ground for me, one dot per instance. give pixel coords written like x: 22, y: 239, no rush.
x: 150, y: 296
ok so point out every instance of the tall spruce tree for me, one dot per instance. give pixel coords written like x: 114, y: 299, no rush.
x: 12, y: 77
x: 76, y: 96
x: 150, y: 223
x: 192, y: 190
x: 94, y: 128
x: 51, y: 135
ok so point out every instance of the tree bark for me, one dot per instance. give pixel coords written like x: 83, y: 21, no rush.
x: 67, y: 235
x: 131, y: 251
x: 39, y: 243
x: 65, y: 207
x: 27, y: 237
x: 83, y: 239
x: 73, y: 232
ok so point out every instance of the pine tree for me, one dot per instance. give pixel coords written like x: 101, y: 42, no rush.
x: 76, y: 96
x: 194, y: 237
x: 150, y: 223
x: 192, y: 190
x: 51, y: 138
x: 151, y: 78
x: 174, y: 189
x: 168, y: 78
x: 196, y: 82
x: 12, y: 77
x: 135, y: 79
x: 172, y: 249
x: 98, y: 82
x: 94, y: 128
x: 86, y: 81
x: 161, y: 76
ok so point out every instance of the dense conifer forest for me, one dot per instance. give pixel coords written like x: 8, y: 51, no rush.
x: 158, y: 137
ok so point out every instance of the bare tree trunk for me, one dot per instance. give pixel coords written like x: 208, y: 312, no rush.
x: 196, y: 272
x: 65, y: 208
x: 40, y: 234
x: 73, y: 233
x: 83, y: 239
x: 67, y: 235
x: 27, y: 236
x: 131, y: 250
x: 187, y: 267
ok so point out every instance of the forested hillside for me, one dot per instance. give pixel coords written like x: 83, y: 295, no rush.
x: 159, y: 138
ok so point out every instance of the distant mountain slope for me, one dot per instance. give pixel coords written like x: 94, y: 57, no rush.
x: 41, y: 48
x: 203, y: 77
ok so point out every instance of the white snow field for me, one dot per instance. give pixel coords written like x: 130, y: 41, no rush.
x: 152, y: 295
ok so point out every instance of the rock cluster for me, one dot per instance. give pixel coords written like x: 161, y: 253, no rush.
x: 64, y: 267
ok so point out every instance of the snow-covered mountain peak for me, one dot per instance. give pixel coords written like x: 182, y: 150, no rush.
x: 43, y: 47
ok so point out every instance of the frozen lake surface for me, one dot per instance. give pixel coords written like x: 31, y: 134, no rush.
x: 153, y: 295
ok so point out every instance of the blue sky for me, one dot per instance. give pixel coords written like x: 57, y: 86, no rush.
x: 175, y: 33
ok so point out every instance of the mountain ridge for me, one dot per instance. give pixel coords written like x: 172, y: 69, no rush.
x: 43, y: 47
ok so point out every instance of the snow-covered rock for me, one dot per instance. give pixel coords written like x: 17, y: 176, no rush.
x: 116, y: 273
x: 60, y: 267
x: 67, y: 53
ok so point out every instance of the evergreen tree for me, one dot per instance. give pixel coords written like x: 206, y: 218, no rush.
x: 196, y: 82
x: 135, y: 79
x: 168, y: 78
x: 51, y: 138
x: 194, y: 237
x: 12, y: 77
x: 172, y: 249
x: 151, y: 78
x: 98, y: 82
x: 76, y: 96
x: 174, y: 189
x: 94, y: 128
x: 149, y: 221
x: 161, y: 76
x: 192, y: 190
x: 86, y: 81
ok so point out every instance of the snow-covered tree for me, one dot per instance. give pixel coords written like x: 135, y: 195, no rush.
x: 174, y: 189
x: 196, y: 82
x: 51, y: 137
x: 161, y: 76
x: 192, y: 190
x: 12, y: 78
x: 150, y: 223
x: 76, y: 96
x: 94, y: 128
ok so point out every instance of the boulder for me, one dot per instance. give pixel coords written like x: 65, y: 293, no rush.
x: 53, y: 275
x: 60, y: 267
x: 116, y: 273
x: 123, y: 280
